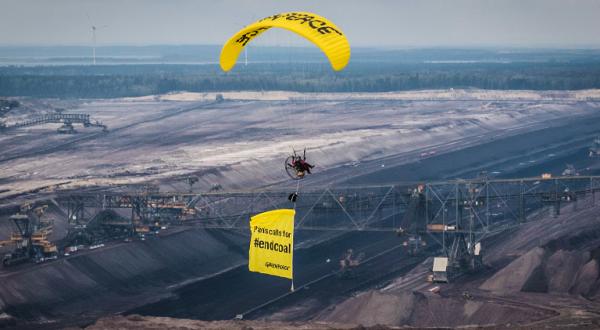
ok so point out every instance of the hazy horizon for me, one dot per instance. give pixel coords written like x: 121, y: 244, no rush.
x: 364, y: 47
x: 547, y: 24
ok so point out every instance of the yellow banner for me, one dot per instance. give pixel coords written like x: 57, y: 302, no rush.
x: 272, y: 243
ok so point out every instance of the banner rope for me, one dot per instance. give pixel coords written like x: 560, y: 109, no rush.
x: 295, y: 201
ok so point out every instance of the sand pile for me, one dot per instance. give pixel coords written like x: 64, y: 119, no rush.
x: 417, y: 309
x: 561, y: 269
x: 555, y: 256
x: 513, y: 277
x: 373, y: 308
x: 561, y: 266
x: 586, y: 278
x: 437, y: 311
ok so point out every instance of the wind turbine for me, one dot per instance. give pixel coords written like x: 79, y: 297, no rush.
x: 246, y: 47
x: 94, y: 28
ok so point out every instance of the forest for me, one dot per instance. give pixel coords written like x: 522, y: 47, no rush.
x: 367, y: 72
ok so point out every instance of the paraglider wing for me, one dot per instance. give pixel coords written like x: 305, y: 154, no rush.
x: 317, y: 29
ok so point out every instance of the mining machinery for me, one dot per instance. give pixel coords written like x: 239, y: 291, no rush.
x: 570, y: 170
x: 30, y: 238
x: 463, y: 255
x: 413, y: 222
x: 67, y: 121
x: 349, y: 262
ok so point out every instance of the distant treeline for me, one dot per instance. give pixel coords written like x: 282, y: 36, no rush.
x: 136, y: 80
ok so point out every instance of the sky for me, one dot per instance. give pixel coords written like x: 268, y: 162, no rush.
x: 368, y: 23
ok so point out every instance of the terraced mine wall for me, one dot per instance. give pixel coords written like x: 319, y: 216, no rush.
x: 117, y: 277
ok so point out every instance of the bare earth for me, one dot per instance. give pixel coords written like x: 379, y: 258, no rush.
x: 241, y: 143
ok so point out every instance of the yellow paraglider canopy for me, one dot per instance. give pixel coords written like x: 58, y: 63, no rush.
x: 317, y: 29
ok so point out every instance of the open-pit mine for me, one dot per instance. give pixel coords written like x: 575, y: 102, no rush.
x: 434, y: 208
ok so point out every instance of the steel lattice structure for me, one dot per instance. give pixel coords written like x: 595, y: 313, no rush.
x: 474, y: 206
x: 458, y: 214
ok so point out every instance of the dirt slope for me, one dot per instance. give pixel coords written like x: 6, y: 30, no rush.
x: 544, y: 273
x: 118, y: 276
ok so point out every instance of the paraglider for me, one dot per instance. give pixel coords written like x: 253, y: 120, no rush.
x: 296, y: 166
x: 317, y: 29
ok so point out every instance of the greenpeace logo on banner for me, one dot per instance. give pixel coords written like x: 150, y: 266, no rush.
x: 271, y: 265
x: 272, y: 243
